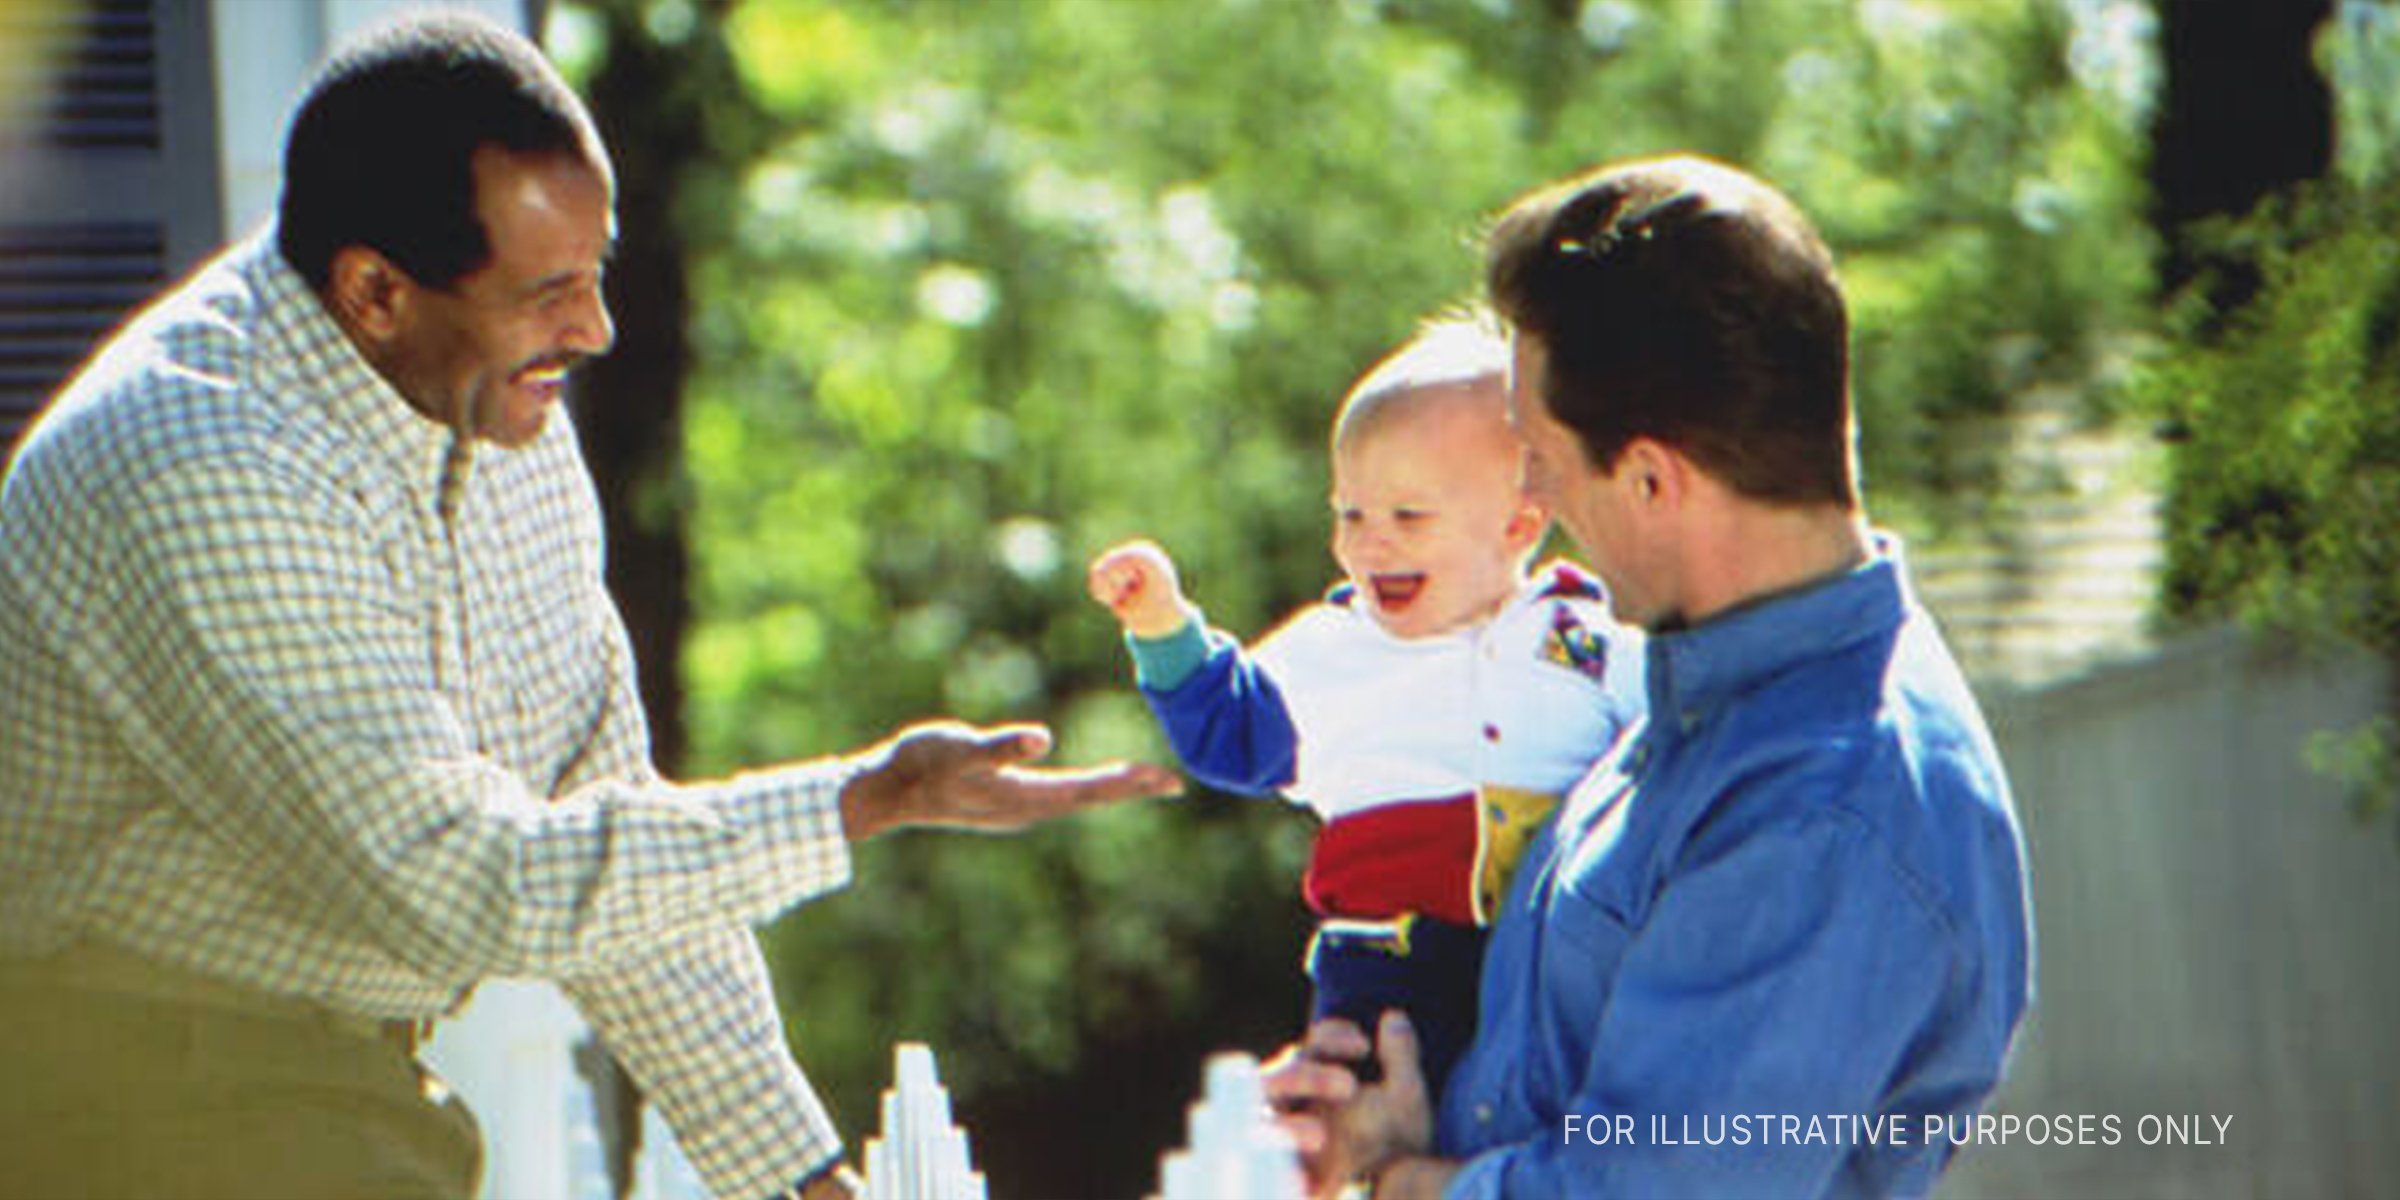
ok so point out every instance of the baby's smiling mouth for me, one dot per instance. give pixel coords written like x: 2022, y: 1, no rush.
x: 1396, y: 592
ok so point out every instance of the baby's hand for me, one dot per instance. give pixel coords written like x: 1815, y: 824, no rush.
x: 1136, y: 581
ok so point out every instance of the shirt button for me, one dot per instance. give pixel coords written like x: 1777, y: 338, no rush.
x: 1491, y: 733
x: 1483, y: 1114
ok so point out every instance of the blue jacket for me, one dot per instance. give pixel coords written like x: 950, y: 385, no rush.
x: 1799, y: 892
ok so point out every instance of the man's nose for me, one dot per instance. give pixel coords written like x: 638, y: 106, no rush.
x: 590, y: 330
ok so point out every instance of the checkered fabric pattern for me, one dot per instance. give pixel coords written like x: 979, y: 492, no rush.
x: 303, y: 692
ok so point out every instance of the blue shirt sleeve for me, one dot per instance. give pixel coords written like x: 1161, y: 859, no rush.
x: 1222, y: 713
x: 1785, y: 974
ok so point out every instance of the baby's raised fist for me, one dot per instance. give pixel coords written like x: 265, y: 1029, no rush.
x: 1136, y: 582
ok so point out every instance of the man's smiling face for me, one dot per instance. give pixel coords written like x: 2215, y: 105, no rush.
x: 493, y: 349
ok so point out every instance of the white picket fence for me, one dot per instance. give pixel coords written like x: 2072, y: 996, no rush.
x: 1231, y: 1149
x: 920, y: 1154
x: 512, y: 1056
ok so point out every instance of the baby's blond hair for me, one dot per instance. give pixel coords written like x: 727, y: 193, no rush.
x: 1447, y: 354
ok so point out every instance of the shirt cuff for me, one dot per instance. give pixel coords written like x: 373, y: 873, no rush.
x: 782, y: 1140
x: 1161, y: 664
x: 796, y: 813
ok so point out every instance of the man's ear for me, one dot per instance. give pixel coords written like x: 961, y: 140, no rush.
x: 1652, y: 472
x: 369, y: 294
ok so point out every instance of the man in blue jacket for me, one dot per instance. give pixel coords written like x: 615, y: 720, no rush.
x: 1779, y: 941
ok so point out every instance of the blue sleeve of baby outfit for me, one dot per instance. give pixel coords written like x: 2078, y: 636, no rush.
x: 1222, y: 713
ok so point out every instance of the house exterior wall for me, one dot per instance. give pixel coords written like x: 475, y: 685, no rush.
x: 2218, y: 935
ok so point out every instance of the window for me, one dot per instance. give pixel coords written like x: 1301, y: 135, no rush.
x: 108, y: 178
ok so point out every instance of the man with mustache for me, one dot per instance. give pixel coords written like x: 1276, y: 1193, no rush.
x: 318, y: 712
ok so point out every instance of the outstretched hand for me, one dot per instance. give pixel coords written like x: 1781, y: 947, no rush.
x: 953, y: 775
x: 1344, y: 1129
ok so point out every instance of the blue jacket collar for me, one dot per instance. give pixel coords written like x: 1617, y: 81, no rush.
x: 1695, y: 671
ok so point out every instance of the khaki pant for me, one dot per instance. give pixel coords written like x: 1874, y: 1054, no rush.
x: 120, y: 1080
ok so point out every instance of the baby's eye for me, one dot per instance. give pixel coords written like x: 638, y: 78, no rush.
x: 1410, y: 516
x: 1349, y: 516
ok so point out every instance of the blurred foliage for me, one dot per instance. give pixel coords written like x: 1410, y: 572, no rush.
x: 980, y: 288
x: 2286, y: 471
x: 2359, y: 54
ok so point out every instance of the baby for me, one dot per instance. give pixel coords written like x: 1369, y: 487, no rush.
x: 1430, y: 709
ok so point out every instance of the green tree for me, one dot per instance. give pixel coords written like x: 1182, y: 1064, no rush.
x: 2286, y: 471
x: 2282, y: 355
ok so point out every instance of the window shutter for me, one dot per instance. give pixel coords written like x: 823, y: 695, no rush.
x: 107, y: 179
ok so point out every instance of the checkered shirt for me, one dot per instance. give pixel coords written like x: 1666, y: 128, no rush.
x: 302, y: 692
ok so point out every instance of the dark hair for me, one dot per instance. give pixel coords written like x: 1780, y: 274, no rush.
x: 380, y: 153
x: 1681, y: 300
